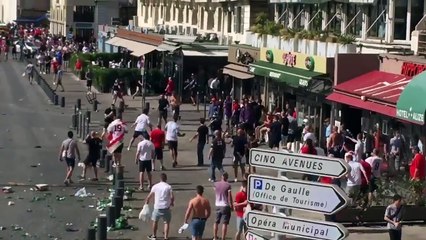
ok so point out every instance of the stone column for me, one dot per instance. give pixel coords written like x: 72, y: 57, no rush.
x: 324, y: 9
x: 276, y: 12
x: 408, y: 30
x: 365, y: 19
x: 307, y: 14
x: 290, y: 15
x: 390, y: 21
x: 344, y: 16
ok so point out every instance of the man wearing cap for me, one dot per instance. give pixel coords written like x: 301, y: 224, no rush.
x: 353, y: 184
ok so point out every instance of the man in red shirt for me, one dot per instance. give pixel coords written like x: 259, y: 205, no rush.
x: 239, y: 207
x: 365, y: 182
x: 417, y: 167
x: 158, y: 138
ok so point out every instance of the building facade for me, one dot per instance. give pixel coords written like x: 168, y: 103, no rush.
x: 11, y: 10
x: 82, y: 17
x: 226, y: 20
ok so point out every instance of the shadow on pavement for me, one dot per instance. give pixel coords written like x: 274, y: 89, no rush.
x: 369, y: 230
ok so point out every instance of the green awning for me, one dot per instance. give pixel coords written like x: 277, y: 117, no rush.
x: 411, y: 106
x: 294, y: 77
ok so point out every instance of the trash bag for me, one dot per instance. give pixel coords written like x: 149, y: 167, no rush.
x: 145, y: 213
x: 83, y: 193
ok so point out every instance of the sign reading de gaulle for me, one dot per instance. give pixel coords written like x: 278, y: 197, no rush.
x: 300, y: 163
x: 302, y: 195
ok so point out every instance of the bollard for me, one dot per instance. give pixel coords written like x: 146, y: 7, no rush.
x: 111, y: 215
x: 88, y: 116
x: 83, y: 130
x: 75, y: 109
x: 147, y: 106
x: 63, y: 102
x: 108, y: 160
x: 79, y: 104
x: 102, y: 227
x: 118, y: 202
x: 114, y: 177
x: 118, y: 175
x: 56, y: 99
x: 74, y: 121
x: 91, y: 233
x: 120, y: 184
x: 103, y: 158
x: 120, y: 192
x: 95, y: 105
x: 80, y: 124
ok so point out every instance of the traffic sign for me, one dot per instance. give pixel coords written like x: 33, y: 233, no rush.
x: 304, y: 228
x: 250, y: 235
x: 299, y: 163
x: 296, y: 194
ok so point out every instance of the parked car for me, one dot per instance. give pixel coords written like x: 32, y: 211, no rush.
x: 29, y: 48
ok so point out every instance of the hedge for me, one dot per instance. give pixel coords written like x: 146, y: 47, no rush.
x: 87, y: 59
x: 104, y: 77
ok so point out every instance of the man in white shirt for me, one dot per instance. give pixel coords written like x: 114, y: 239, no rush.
x: 353, y: 184
x: 140, y: 125
x: 172, y: 133
x: 116, y: 131
x: 144, y: 156
x: 375, y: 162
x: 163, y: 201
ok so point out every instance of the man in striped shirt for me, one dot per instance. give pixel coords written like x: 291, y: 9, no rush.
x: 116, y: 132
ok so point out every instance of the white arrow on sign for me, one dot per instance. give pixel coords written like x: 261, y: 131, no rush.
x: 298, y: 227
x: 297, y: 194
x: 250, y: 235
x: 299, y: 163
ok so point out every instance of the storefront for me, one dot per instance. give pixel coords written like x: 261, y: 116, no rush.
x: 243, y: 81
x: 298, y: 80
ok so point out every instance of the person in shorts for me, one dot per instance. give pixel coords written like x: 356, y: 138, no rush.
x: 172, y: 133
x: 144, y: 156
x: 240, y: 145
x: 158, y: 138
x: 239, y: 207
x: 224, y: 205
x: 69, y: 152
x: 141, y: 124
x: 200, y: 210
x: 94, y: 143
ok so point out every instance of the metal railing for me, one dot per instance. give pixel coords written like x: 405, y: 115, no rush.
x: 39, y: 79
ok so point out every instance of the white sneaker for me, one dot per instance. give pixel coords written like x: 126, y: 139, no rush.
x: 128, y: 149
x: 235, y: 180
x: 114, y: 165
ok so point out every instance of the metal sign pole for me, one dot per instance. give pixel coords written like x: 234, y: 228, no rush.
x: 143, y: 87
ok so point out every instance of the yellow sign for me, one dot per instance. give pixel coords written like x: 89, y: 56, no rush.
x: 294, y: 59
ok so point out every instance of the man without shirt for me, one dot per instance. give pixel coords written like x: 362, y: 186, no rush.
x: 144, y: 156
x: 200, y: 210
x: 140, y: 125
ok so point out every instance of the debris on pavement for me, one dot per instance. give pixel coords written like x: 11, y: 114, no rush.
x: 2, y: 228
x: 16, y: 227
x: 60, y: 198
x: 83, y: 193
x: 42, y: 187
x: 11, y: 203
x: 7, y: 190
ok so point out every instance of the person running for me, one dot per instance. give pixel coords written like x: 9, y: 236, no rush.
x: 203, y: 138
x: 172, y: 133
x: 58, y: 81
x: 170, y: 88
x: 29, y: 71
x: 163, y: 201
x: 140, y: 125
x: 354, y: 181
x: 163, y: 105
x: 158, y: 138
x: 144, y: 156
x: 224, y: 206
x: 69, y: 152
x: 240, y: 145
x: 139, y: 87
x: 200, y: 210
x: 375, y: 163
x: 216, y: 155
x: 94, y: 144
x: 116, y: 132
x: 89, y: 80
x: 240, y: 204
x: 393, y: 217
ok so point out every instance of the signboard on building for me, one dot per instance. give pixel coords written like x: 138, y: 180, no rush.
x: 296, y: 194
x: 411, y: 69
x: 294, y: 59
x: 242, y: 54
x: 304, y: 228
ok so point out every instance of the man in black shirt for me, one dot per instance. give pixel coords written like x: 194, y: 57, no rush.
x: 215, y: 124
x: 94, y: 144
x: 217, y: 154
x: 240, y: 145
x: 258, y: 111
x: 163, y: 104
x: 275, y: 133
x: 203, y: 138
x: 284, y: 129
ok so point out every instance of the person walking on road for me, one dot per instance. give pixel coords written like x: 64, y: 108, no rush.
x: 172, y: 133
x: 144, y: 156
x: 216, y: 155
x: 200, y: 210
x: 140, y: 125
x: 203, y: 138
x: 224, y: 206
x: 163, y: 105
x: 239, y: 207
x: 116, y: 131
x: 94, y: 143
x: 58, y: 81
x: 69, y: 152
x: 89, y: 80
x: 240, y: 145
x: 158, y: 138
x: 29, y: 71
x: 393, y: 217
x: 163, y: 201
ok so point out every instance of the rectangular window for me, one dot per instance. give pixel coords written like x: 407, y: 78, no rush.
x: 84, y: 14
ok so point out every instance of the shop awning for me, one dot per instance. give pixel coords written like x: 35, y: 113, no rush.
x: 170, y: 47
x: 138, y: 49
x: 381, y: 86
x: 237, y: 71
x: 211, y: 53
x: 411, y: 105
x: 294, y: 77
x: 359, y: 103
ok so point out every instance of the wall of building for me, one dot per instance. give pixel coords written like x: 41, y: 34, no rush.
x: 8, y: 10
x: 344, y: 69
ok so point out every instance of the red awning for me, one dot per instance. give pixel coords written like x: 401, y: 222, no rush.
x: 377, y: 85
x: 367, y: 105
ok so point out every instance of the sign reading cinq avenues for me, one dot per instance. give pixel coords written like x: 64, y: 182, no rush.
x: 299, y: 163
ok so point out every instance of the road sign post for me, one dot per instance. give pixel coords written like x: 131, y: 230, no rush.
x: 296, y: 194
x: 298, y: 227
x: 250, y: 235
x: 299, y: 163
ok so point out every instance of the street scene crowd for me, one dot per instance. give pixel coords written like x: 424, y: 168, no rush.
x: 231, y: 125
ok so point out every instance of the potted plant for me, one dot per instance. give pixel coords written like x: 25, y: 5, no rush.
x: 321, y: 43
x: 288, y: 42
x: 332, y: 45
x: 302, y: 42
x: 346, y: 43
x: 312, y: 43
x: 273, y: 32
x: 259, y: 29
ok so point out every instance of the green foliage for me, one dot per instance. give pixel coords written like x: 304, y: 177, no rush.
x: 155, y: 78
x: 411, y: 191
x: 346, y: 39
x: 264, y: 26
x: 104, y: 77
